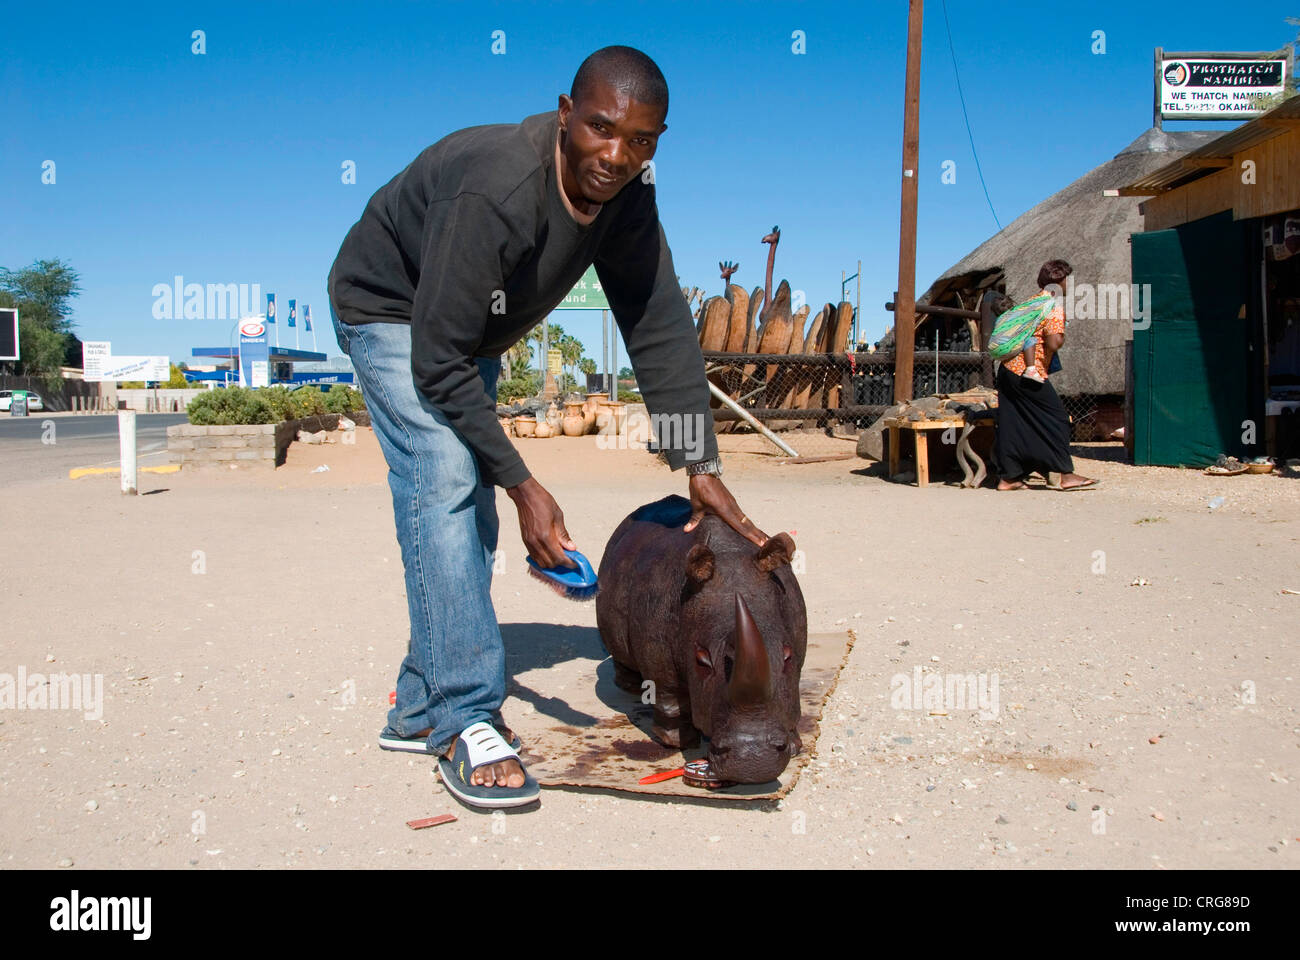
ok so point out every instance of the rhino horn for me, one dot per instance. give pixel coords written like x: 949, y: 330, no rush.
x: 751, y: 675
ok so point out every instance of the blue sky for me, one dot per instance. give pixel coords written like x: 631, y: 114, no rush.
x: 225, y: 167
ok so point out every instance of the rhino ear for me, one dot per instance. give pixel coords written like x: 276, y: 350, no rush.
x: 699, y: 566
x: 776, y: 551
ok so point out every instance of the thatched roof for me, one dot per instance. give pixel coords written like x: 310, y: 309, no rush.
x: 1089, y: 230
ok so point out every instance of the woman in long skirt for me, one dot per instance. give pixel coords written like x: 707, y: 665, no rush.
x: 1033, y: 429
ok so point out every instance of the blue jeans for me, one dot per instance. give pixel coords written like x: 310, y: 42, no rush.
x: 454, y: 671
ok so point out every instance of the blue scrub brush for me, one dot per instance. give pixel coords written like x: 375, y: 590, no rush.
x: 579, y: 584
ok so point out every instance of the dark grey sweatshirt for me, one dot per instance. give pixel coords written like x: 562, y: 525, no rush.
x: 472, y: 245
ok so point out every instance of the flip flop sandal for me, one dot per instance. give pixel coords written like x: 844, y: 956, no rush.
x: 1078, y: 486
x: 390, y: 740
x: 479, y: 746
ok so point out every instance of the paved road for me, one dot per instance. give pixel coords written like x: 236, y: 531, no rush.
x: 27, y: 453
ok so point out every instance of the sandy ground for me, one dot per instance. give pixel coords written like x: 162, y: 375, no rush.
x: 248, y: 627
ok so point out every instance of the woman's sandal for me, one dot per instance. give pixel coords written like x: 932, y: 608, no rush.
x: 478, y: 746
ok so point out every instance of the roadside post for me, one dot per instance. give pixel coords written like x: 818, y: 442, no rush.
x: 126, y: 443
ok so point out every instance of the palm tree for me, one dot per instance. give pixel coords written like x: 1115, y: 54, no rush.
x: 554, y: 333
x: 520, y: 357
x: 570, y: 354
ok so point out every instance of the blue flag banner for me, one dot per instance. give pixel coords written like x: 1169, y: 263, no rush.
x: 293, y: 312
x: 306, y: 316
x: 270, y: 308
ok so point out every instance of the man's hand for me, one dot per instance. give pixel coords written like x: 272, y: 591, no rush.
x: 710, y: 495
x: 541, y: 524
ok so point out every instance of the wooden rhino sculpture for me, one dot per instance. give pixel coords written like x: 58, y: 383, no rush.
x: 720, y: 629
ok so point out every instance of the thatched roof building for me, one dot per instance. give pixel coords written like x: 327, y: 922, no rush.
x: 1089, y: 230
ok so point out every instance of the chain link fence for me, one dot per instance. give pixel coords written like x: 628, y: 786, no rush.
x: 1094, y: 417
x: 815, y: 402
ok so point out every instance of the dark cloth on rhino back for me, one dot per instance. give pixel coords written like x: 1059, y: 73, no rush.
x: 1033, y: 429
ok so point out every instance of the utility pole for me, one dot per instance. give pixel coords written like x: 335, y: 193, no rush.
x: 857, y: 303
x: 1157, y: 118
x: 905, y: 299
x: 857, y: 308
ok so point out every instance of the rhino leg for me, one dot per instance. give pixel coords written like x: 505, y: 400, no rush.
x: 625, y: 678
x: 672, y: 725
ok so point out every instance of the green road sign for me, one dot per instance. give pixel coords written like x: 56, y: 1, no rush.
x: 586, y: 294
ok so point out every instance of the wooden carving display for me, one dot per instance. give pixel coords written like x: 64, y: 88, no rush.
x: 774, y: 337
x: 812, y: 376
x: 761, y: 322
x: 838, y: 343
x: 714, y: 319
x: 737, y: 335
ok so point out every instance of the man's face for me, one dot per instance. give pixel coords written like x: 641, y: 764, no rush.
x: 610, y: 138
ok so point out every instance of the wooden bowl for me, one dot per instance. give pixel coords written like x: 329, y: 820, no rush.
x: 1224, y: 471
x: 1260, y: 467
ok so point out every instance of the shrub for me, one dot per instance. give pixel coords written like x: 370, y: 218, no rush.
x: 307, y: 402
x: 229, y: 405
x: 343, y: 399
x: 518, y: 388
x: 627, y: 396
x: 281, y: 404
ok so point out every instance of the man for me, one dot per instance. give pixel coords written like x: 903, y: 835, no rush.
x: 451, y: 263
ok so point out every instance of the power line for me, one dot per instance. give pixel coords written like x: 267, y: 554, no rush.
x: 966, y: 116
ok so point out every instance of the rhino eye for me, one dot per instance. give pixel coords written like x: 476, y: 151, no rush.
x: 702, y: 658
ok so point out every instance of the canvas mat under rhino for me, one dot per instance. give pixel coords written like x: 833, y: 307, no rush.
x: 580, y: 730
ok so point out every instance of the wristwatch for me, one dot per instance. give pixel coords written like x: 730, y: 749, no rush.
x: 712, y: 467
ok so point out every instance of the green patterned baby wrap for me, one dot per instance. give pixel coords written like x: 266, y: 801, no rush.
x: 1017, y: 325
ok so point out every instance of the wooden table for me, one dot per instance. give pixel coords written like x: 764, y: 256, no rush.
x: 972, y: 466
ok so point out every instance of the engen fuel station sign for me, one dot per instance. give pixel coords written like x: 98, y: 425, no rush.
x: 254, y: 353
x: 1218, y: 86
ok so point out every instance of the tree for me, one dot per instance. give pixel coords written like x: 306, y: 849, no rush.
x: 42, y: 294
x: 520, y: 359
x: 587, y: 365
x: 72, y: 350
x: 570, y: 354
x: 554, y: 333
x: 42, y: 291
x: 41, y: 350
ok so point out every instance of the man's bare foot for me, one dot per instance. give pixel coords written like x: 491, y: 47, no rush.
x: 507, y: 773
x: 1011, y: 485
x: 1071, y: 480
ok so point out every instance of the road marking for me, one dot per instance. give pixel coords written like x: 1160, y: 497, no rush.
x: 118, y: 460
x: 78, y: 472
